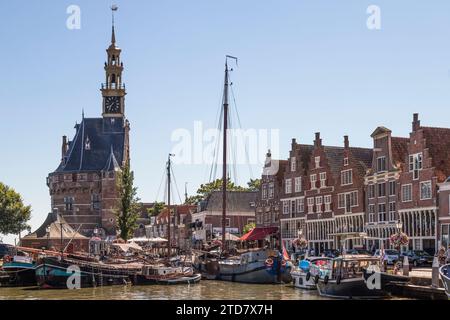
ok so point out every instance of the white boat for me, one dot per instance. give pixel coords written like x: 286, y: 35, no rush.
x: 304, y: 275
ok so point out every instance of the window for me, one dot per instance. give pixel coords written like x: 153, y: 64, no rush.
x: 425, y: 190
x: 392, y: 209
x: 298, y: 184
x: 227, y: 222
x: 382, y: 189
x: 271, y: 190
x: 300, y: 205
x: 381, y: 164
x: 348, y: 200
x: 381, y: 212
x: 345, y: 162
x: 68, y: 203
x: 286, y: 207
x: 96, y: 201
x: 264, y: 191
x: 288, y: 185
x: 313, y: 179
x: 317, y: 162
x: 293, y: 164
x: 327, y: 201
x: 392, y: 188
x: 323, y: 179
x: 371, y: 213
x: 310, y: 205
x: 371, y: 191
x: 293, y: 206
x: 341, y: 200
x: 415, y: 164
x: 319, y: 201
x: 346, y: 177
x: 407, y: 192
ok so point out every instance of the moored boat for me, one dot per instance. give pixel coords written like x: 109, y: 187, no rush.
x: 168, y: 275
x: 445, y: 277
x: 304, y: 275
x: 345, y: 279
x: 18, y: 271
x: 72, y: 273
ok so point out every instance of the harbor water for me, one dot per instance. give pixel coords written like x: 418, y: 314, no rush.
x: 205, y: 290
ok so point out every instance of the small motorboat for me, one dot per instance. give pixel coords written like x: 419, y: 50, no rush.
x: 304, y: 275
x: 345, y: 279
x: 445, y: 276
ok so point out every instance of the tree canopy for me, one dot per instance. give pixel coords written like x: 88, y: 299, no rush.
x: 206, y: 189
x: 157, y: 208
x: 128, y: 206
x: 14, y: 215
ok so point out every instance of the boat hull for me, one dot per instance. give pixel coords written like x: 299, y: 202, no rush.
x: 445, y: 277
x: 52, y: 273
x: 144, y: 280
x: 355, y: 288
x: 299, y: 281
x: 253, y: 272
x: 18, y: 275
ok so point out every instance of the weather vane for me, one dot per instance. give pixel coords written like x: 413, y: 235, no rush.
x: 113, y: 8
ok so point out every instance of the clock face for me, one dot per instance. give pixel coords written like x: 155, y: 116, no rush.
x: 112, y: 104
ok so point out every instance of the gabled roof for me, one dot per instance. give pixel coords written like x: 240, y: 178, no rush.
x: 237, y: 201
x: 399, y: 150
x: 380, y: 130
x: 55, y: 222
x: 104, y: 134
x: 438, y: 144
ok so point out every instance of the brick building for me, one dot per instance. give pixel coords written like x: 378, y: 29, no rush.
x: 240, y: 212
x: 83, y: 187
x: 443, y: 229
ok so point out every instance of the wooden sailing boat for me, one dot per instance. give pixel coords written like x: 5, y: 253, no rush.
x: 168, y: 271
x: 252, y: 266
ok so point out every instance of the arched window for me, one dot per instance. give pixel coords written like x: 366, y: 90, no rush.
x: 113, y: 78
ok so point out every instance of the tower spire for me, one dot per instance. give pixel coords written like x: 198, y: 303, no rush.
x: 113, y: 35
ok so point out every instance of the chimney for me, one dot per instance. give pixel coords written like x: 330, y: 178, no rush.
x: 318, y: 141
x: 346, y: 143
x: 416, y: 122
x: 294, y: 141
x: 64, y: 147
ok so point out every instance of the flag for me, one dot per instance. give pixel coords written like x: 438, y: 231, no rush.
x: 285, y: 254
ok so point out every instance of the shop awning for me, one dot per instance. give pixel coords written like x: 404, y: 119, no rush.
x: 258, y: 233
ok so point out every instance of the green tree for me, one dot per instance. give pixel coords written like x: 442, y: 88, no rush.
x: 254, y: 184
x: 249, y: 227
x: 206, y: 189
x: 14, y: 215
x: 128, y: 206
x: 156, y: 209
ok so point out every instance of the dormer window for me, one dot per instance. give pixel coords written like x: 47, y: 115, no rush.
x: 87, y: 144
x: 381, y: 164
x: 415, y: 164
x: 345, y: 162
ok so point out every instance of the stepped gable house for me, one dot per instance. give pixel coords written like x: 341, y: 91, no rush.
x: 83, y: 187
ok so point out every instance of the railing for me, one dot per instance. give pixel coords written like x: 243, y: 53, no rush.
x: 113, y: 86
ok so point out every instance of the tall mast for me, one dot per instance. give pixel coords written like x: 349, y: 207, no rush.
x: 225, y: 131
x: 224, y: 174
x: 169, y: 243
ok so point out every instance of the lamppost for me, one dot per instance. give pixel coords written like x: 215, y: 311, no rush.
x: 399, y: 227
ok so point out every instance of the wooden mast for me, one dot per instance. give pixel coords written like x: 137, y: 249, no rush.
x: 169, y: 243
x: 224, y: 174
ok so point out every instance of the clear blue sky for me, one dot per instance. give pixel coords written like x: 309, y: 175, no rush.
x: 304, y: 66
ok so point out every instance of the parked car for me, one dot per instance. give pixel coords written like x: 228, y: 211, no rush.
x: 359, y: 252
x: 331, y: 253
x: 418, y: 257
x: 390, y: 256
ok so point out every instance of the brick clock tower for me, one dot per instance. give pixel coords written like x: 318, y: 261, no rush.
x: 83, y: 187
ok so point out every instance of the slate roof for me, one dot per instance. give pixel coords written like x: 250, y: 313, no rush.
x: 237, y: 201
x: 103, y: 136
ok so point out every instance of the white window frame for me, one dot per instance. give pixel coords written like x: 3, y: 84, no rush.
x: 394, y: 183
x: 373, y: 195
x: 286, y: 207
x: 327, y: 201
x: 317, y: 161
x: 378, y: 189
x: 264, y: 192
x: 410, y: 193
x: 300, y: 205
x: 391, y: 215
x: 345, y: 162
x: 293, y: 164
x: 323, y: 179
x: 431, y: 190
x: 313, y: 180
x: 378, y: 164
x: 379, y: 212
x: 310, y: 202
x: 416, y: 164
x: 288, y: 186
x: 319, y: 202
x: 346, y: 177
x: 271, y: 191
x: 298, y: 184
x: 371, y: 213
